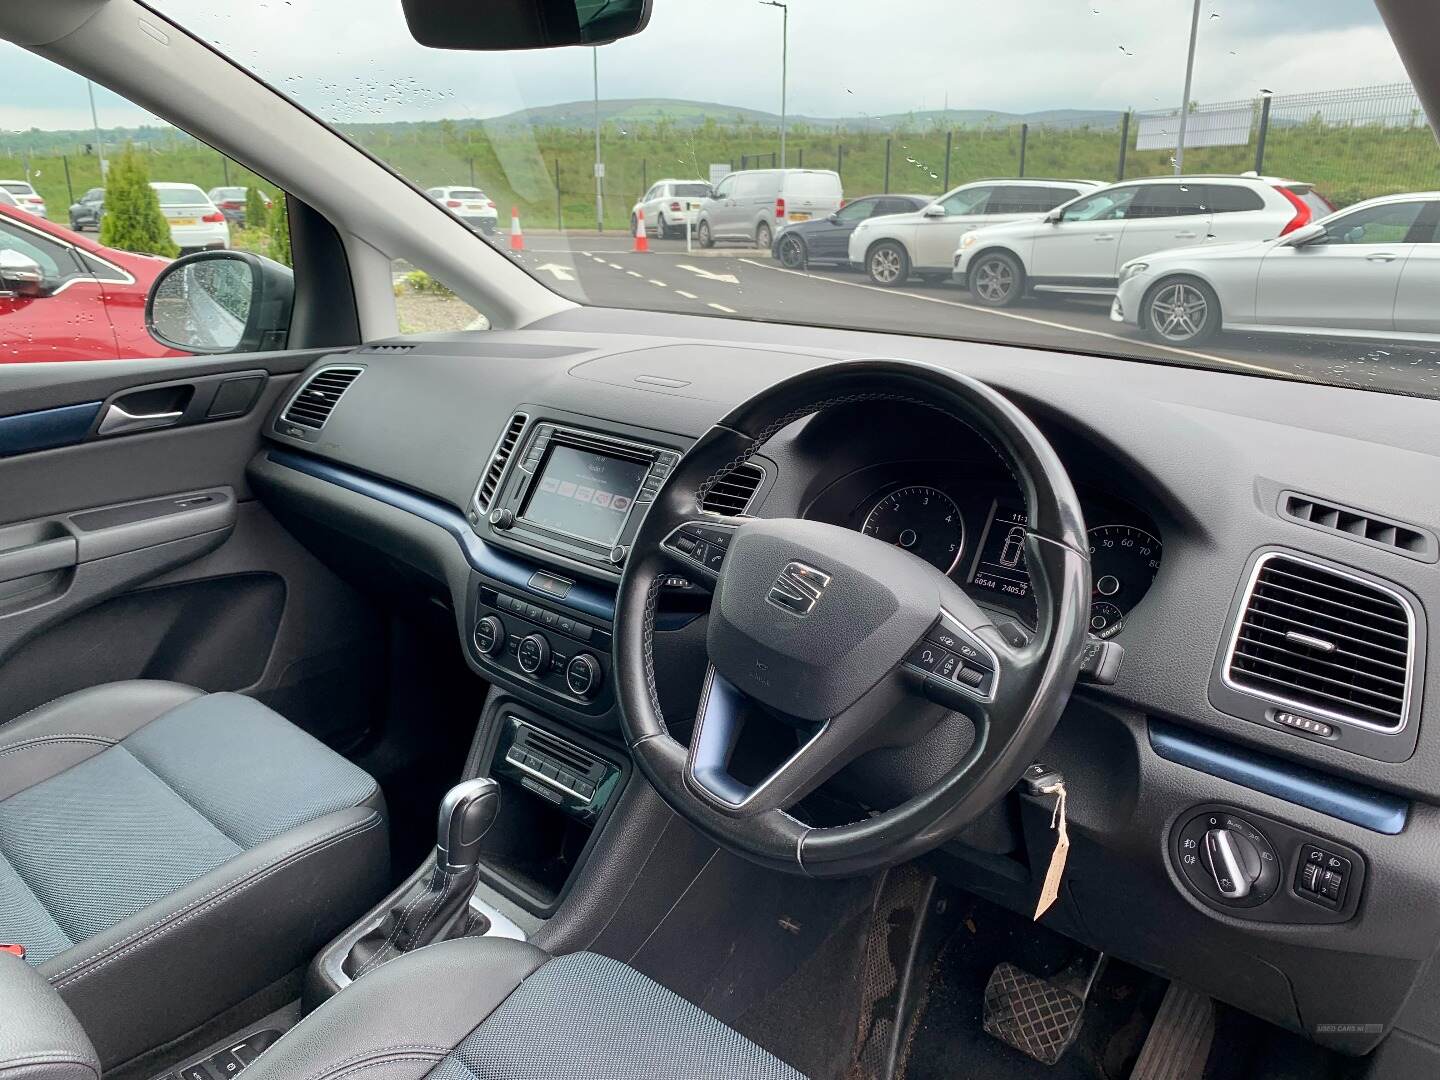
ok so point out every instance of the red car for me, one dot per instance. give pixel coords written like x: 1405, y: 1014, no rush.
x: 91, y: 301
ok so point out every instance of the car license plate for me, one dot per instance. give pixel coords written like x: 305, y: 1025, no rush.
x: 800, y: 217
x: 474, y: 206
x: 694, y: 206
x: 184, y: 221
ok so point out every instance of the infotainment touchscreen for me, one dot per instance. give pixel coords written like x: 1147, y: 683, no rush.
x: 584, y: 494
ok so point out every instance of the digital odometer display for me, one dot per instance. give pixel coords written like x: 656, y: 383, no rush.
x: 584, y: 494
x: 1000, y: 564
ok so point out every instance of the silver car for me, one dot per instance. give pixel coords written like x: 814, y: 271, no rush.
x: 756, y: 204
x: 1372, y: 270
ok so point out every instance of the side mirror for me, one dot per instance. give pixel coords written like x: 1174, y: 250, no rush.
x: 1306, y: 235
x: 834, y: 219
x: 934, y: 210
x: 221, y: 302
x: 1055, y: 216
x: 20, y: 275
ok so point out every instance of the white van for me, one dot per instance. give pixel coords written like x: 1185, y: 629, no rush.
x: 753, y: 205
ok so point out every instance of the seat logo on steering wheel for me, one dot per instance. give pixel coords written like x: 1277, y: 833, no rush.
x: 798, y: 588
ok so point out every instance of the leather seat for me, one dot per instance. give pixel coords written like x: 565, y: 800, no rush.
x: 166, y: 853
x: 497, y: 1009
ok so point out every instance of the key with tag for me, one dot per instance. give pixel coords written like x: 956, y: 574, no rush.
x: 1054, y: 784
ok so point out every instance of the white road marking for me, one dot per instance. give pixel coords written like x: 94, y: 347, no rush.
x: 616, y: 266
x: 562, y: 273
x: 597, y: 258
x: 657, y: 281
x: 1190, y: 353
x: 686, y: 295
x: 632, y: 273
x: 728, y: 278
x: 722, y: 307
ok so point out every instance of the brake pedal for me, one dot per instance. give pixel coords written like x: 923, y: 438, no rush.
x: 1039, y: 1017
x: 1179, y: 1039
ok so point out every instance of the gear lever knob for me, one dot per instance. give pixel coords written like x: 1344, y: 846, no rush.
x: 466, y: 814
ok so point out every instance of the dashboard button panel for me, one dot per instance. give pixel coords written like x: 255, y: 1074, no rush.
x: 544, y: 649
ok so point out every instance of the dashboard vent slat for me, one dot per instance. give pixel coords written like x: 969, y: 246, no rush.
x: 732, y: 494
x: 1315, y: 638
x: 1373, y: 529
x: 385, y: 348
x: 316, y: 400
x: 498, y: 460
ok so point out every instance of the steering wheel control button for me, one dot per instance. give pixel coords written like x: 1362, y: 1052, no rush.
x: 489, y: 635
x: 926, y: 657
x: 1227, y: 860
x: 948, y: 666
x: 582, y: 675
x: 953, y: 642
x: 971, y: 676
x: 533, y: 654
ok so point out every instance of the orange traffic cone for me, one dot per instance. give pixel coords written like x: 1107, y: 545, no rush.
x: 642, y: 242
x: 517, y: 238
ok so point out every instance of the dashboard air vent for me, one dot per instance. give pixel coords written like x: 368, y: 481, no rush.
x: 1359, y: 525
x: 1316, y: 639
x: 733, y: 492
x: 503, y: 449
x: 317, y: 399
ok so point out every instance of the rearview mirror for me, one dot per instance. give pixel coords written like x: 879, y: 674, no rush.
x: 20, y: 275
x: 501, y: 25
x: 1306, y: 234
x: 221, y: 302
x: 934, y: 210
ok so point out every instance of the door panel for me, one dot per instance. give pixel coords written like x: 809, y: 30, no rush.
x: 1083, y: 247
x: 1417, y: 303
x: 1349, y: 287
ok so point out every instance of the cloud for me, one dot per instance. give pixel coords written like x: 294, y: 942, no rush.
x: 353, y: 60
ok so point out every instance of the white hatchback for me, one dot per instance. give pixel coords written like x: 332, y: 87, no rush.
x: 196, y: 223
x: 669, y: 206
x: 891, y: 248
x: 1078, y: 248
x: 470, y: 205
x: 1370, y: 271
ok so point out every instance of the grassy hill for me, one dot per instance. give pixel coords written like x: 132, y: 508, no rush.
x: 541, y: 160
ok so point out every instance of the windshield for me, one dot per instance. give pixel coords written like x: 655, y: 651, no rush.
x: 1306, y: 114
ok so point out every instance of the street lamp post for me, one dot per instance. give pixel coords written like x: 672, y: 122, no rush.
x: 599, y: 168
x: 784, y: 65
x: 1185, y: 98
x: 95, y: 123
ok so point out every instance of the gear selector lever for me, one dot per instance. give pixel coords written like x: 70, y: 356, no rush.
x: 426, y: 912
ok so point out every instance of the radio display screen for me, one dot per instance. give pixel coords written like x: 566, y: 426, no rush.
x: 584, y: 494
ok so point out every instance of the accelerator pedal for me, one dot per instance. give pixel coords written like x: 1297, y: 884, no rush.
x: 1178, y: 1043
x: 1039, y: 1017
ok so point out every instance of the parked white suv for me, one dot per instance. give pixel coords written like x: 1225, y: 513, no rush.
x: 669, y: 204
x: 1370, y: 271
x: 756, y: 204
x: 1078, y: 248
x: 891, y: 248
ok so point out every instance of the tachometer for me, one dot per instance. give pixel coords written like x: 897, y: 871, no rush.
x: 1123, y: 563
x: 922, y: 520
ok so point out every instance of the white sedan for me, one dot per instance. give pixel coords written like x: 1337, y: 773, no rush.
x: 669, y: 204
x: 1372, y: 270
x: 196, y: 223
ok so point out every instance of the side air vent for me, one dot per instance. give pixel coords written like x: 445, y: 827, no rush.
x: 1359, y: 525
x: 503, y: 449
x: 317, y: 399
x: 733, y: 492
x: 1314, y: 638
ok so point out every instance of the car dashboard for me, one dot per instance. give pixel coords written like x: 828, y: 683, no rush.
x: 1198, y: 487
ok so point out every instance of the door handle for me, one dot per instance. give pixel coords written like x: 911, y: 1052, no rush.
x: 1186, y: 235
x: 117, y: 421
x: 1381, y: 256
x: 1105, y: 239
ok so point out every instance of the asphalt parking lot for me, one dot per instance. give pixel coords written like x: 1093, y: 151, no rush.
x: 737, y: 283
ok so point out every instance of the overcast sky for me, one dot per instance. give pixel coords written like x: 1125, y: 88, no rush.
x: 352, y: 60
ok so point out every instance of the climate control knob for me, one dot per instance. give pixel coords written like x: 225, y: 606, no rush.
x: 489, y: 635
x: 533, y: 655
x: 583, y: 675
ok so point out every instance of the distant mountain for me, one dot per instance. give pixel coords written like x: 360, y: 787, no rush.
x: 616, y: 112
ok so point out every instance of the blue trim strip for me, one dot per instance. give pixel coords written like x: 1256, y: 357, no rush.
x: 1347, y: 801
x: 490, y: 561
x: 46, y: 429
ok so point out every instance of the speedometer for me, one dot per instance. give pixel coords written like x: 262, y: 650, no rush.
x: 922, y: 520
x: 1123, y: 563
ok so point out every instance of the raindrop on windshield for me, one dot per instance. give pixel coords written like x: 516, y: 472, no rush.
x: 1126, y: 51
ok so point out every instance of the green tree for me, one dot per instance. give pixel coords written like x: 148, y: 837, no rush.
x: 133, y: 220
x: 254, y: 209
x: 280, y: 230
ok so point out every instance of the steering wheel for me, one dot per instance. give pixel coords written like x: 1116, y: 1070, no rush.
x: 836, y: 634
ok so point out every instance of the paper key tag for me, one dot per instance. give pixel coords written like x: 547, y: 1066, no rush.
x: 1050, y: 890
